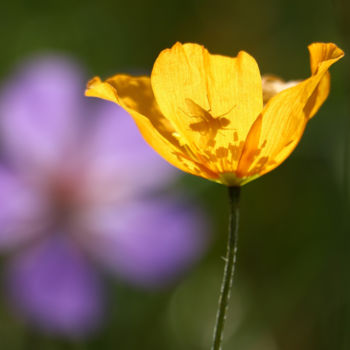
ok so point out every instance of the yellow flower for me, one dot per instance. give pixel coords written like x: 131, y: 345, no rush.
x: 214, y: 116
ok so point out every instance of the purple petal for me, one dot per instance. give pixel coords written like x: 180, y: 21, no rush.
x: 53, y: 286
x: 149, y: 243
x: 39, y: 110
x: 118, y: 157
x: 23, y: 211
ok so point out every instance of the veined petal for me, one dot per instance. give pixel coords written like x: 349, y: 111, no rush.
x: 273, y: 137
x: 319, y: 95
x: 320, y: 53
x: 211, y: 99
x: 135, y: 95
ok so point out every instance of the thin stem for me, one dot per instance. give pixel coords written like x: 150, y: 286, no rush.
x: 230, y: 262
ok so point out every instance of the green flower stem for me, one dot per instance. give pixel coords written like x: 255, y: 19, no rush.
x: 229, y: 270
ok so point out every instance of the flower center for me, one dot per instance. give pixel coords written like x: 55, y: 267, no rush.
x: 65, y: 199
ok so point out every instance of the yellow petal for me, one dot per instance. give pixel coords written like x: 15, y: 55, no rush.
x: 320, y: 53
x: 211, y: 99
x: 273, y: 137
x: 135, y: 95
x: 319, y: 95
x: 96, y: 88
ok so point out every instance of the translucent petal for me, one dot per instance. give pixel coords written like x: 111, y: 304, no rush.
x: 136, y: 96
x: 212, y: 100
x: 276, y: 133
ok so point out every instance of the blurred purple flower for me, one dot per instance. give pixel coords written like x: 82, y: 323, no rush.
x: 79, y: 186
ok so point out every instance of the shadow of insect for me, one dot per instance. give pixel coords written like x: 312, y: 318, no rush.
x: 207, y: 125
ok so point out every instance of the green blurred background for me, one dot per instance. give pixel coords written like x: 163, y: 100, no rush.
x: 292, y: 284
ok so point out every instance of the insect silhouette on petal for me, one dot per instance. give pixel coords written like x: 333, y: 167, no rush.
x: 208, y: 125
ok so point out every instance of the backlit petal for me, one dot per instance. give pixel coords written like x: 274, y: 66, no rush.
x: 273, y: 137
x: 135, y: 95
x: 211, y: 99
x: 320, y: 53
x: 208, y: 110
